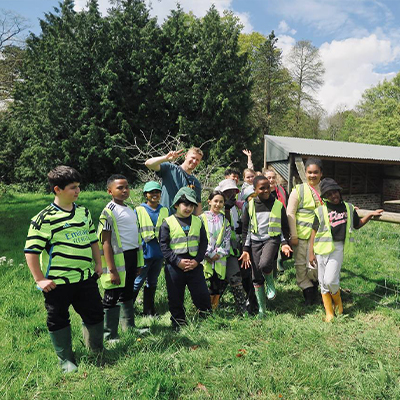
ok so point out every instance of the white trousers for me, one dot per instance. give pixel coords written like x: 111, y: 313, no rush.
x: 329, y: 267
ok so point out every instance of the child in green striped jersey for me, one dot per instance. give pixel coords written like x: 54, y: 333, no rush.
x: 59, y: 250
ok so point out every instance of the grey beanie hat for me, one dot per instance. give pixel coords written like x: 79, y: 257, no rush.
x: 328, y: 184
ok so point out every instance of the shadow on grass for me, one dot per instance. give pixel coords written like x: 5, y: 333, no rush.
x: 157, y: 340
x: 382, y: 295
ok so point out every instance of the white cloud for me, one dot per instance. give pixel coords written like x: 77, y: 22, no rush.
x: 351, y: 67
x: 162, y: 8
x: 104, y: 5
x: 285, y: 43
x: 285, y: 28
x: 341, y: 17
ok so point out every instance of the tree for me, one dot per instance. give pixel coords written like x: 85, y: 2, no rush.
x: 272, y: 88
x: 307, y: 70
x: 11, y: 25
x: 11, y: 58
x: 205, y: 81
x: 249, y: 44
x: 57, y: 112
x: 89, y: 84
x: 379, y: 114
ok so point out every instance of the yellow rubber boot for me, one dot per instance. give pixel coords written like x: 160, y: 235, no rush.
x: 327, y: 299
x: 337, y: 301
x: 214, y: 300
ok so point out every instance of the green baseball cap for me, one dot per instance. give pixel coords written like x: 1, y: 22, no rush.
x: 188, y: 193
x: 152, y: 185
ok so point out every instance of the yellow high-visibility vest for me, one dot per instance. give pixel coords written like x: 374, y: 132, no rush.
x: 305, y: 211
x: 119, y: 259
x: 274, y: 222
x: 180, y: 243
x: 146, y: 227
x: 220, y: 264
x: 323, y: 243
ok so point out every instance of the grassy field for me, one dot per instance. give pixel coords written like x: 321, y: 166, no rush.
x: 290, y: 355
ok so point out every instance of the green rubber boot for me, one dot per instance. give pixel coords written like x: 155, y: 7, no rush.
x: 127, y: 318
x: 62, y: 344
x: 111, y: 321
x: 271, y: 292
x: 260, y: 294
x: 93, y: 336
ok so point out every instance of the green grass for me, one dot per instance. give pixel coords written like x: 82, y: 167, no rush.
x: 290, y: 355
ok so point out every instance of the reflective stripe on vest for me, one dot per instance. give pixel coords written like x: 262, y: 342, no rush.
x: 323, y: 242
x: 119, y: 259
x: 146, y: 227
x: 180, y: 243
x: 274, y: 222
x: 220, y: 264
x: 305, y: 211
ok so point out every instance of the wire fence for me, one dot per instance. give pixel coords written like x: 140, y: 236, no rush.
x: 378, y: 259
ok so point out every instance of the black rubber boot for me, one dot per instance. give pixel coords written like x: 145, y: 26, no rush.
x: 127, y: 318
x: 93, y: 336
x: 111, y: 321
x: 62, y: 344
x: 316, y: 295
x: 149, y: 294
x: 240, y: 298
x: 135, y: 295
x: 309, y: 295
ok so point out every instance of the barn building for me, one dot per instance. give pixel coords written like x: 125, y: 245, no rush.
x: 369, y: 174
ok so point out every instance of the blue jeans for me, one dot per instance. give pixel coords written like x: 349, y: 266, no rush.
x: 150, y: 271
x: 176, y: 281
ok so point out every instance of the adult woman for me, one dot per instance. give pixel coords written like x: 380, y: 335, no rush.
x: 303, y: 200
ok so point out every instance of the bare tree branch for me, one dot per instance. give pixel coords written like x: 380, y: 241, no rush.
x: 147, y: 146
x: 11, y: 25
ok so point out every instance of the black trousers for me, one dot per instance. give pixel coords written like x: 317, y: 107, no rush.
x: 83, y: 296
x: 120, y: 295
x: 176, y: 281
x: 216, y: 284
x: 263, y: 258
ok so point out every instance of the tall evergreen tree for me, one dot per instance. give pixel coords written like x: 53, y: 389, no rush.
x: 272, y: 90
x: 215, y: 80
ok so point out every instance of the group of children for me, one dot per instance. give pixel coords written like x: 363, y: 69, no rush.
x: 236, y: 243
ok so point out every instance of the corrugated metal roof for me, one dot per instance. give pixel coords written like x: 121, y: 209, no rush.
x: 282, y: 168
x: 279, y: 148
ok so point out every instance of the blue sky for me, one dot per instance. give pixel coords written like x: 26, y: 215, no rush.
x: 359, y: 40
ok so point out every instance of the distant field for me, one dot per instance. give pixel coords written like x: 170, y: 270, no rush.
x: 290, y: 355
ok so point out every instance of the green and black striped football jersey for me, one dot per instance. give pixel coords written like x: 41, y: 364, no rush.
x: 63, y: 239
